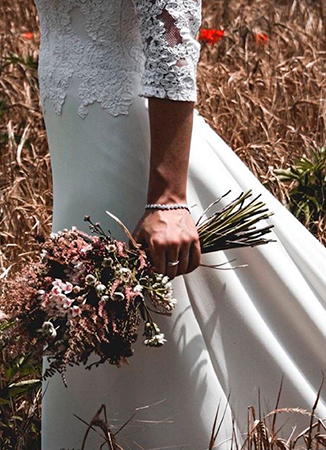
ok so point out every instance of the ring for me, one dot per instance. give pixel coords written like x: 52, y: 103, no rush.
x: 173, y: 263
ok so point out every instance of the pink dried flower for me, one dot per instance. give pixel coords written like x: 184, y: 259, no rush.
x: 90, y: 294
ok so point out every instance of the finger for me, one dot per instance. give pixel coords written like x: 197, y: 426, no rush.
x: 194, y: 257
x: 157, y: 258
x: 172, y: 256
x: 183, y: 260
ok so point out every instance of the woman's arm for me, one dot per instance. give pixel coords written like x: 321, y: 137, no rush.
x: 169, y: 235
x: 168, y: 29
x: 170, y: 127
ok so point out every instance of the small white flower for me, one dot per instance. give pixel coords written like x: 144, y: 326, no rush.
x: 41, y: 294
x: 156, y: 341
x: 107, y: 262
x: 74, y: 311
x: 58, y: 282
x: 48, y: 328
x: 138, y: 288
x: 66, y: 302
x: 67, y: 287
x: 111, y: 248
x: 119, y: 296
x: 171, y: 304
x: 105, y: 298
x: 165, y: 279
x: 160, y: 339
x: 125, y: 273
x: 156, y: 328
x: 54, y: 235
x: 90, y: 279
x: 73, y: 228
x: 100, y: 288
x: 56, y: 290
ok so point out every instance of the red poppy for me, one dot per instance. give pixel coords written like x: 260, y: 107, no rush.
x: 210, y: 35
x: 27, y: 35
x: 261, y: 39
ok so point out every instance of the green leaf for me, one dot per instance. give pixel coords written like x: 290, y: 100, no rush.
x: 22, y: 386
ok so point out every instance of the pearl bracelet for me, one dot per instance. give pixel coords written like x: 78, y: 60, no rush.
x: 168, y: 207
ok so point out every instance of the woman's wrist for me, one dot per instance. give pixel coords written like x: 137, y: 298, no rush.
x: 166, y: 206
x: 169, y: 188
x: 167, y: 198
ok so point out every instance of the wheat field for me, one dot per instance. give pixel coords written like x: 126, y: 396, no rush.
x: 261, y: 86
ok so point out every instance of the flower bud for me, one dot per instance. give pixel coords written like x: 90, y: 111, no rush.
x: 107, y: 262
x: 100, y: 288
x: 48, y: 328
x: 118, y: 296
x: 90, y: 279
x: 111, y: 248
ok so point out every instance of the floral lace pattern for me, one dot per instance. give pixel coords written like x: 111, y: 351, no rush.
x: 96, y: 41
x: 168, y: 29
x: 101, y: 44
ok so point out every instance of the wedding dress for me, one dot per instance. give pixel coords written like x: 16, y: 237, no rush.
x: 234, y: 332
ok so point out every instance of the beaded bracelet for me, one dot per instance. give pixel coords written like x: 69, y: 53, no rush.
x: 167, y: 207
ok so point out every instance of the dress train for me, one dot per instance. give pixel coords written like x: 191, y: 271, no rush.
x: 234, y: 332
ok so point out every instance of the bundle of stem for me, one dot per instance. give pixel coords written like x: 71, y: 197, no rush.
x: 234, y: 225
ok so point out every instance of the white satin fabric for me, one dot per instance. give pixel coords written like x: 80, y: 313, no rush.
x: 234, y: 332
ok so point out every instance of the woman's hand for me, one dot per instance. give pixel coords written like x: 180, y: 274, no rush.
x: 169, y: 236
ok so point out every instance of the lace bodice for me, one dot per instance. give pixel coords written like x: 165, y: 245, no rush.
x: 115, y: 49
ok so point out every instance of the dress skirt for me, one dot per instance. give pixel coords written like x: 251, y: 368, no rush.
x: 236, y: 333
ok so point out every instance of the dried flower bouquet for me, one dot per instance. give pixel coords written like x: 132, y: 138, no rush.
x: 88, y: 293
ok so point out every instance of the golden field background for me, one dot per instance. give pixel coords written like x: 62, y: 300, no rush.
x: 265, y: 97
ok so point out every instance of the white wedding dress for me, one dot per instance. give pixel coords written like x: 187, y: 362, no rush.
x: 234, y: 332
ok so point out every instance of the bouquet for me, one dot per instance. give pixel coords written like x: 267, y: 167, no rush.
x: 89, y: 293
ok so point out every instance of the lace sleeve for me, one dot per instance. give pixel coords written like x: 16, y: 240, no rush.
x: 168, y: 29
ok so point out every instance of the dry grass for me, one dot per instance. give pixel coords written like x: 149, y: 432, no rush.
x: 267, y: 101
x: 264, y: 431
x: 25, y: 176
